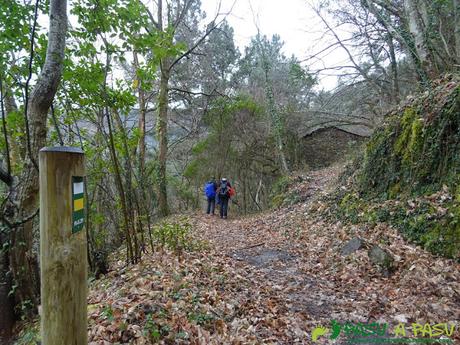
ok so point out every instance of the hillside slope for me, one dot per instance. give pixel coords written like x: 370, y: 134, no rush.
x: 271, y: 279
x: 409, y: 174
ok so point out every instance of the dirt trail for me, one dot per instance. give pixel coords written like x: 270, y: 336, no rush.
x: 299, y: 279
x: 272, y: 278
x: 264, y: 250
x: 231, y: 234
x: 265, y: 242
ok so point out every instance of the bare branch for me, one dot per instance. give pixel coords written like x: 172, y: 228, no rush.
x: 350, y: 56
x: 192, y: 92
x: 210, y: 28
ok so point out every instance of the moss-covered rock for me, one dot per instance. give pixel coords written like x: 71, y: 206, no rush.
x: 382, y: 259
x: 418, y: 147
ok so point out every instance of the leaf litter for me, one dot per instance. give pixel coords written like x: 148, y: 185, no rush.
x: 271, y: 278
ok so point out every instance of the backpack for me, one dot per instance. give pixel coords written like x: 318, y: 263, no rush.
x: 210, y: 190
x: 223, y: 188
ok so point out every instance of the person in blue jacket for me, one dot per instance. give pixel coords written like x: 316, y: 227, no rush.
x: 210, y: 192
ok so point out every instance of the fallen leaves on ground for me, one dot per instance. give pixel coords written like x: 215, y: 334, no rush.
x: 271, y: 279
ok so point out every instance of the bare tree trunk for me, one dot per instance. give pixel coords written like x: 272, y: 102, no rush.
x: 130, y: 254
x: 23, y: 260
x: 417, y: 18
x: 166, y: 66
x: 141, y: 122
x: 277, y: 123
x: 139, y: 197
x: 394, y: 71
x: 132, y: 197
x: 163, y: 100
x: 7, y: 316
x: 163, y: 139
x: 259, y: 187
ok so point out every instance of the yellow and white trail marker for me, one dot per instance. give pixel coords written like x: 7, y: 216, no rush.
x: 78, y: 206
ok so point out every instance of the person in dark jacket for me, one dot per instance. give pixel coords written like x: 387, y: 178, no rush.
x: 223, y: 193
x: 210, y: 191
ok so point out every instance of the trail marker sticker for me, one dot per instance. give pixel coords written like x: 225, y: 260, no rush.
x: 78, y: 205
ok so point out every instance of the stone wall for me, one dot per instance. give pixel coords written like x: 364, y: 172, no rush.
x: 326, y: 146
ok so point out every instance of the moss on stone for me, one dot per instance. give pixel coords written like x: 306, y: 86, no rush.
x: 413, y: 155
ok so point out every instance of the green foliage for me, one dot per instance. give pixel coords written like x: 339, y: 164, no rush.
x: 14, y: 29
x: 238, y: 144
x: 299, y: 78
x: 182, y: 189
x: 107, y: 312
x: 223, y: 111
x: 285, y: 190
x: 201, y: 318
x: 200, y: 147
x: 175, y: 235
x: 152, y: 329
x: 193, y: 168
x: 280, y: 190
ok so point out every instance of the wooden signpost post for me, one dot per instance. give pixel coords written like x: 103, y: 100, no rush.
x: 63, y: 260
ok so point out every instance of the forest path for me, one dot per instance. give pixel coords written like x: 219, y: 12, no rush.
x: 272, y: 278
x: 263, y: 249
x: 298, y: 279
x: 264, y: 242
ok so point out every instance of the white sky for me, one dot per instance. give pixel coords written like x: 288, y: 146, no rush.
x: 287, y: 18
x: 293, y: 20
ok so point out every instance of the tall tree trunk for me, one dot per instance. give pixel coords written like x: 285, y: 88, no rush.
x: 141, y: 200
x: 277, y: 123
x: 163, y: 99
x: 130, y: 254
x: 164, y: 23
x: 23, y: 259
x: 141, y: 122
x: 394, y: 71
x: 7, y: 316
x: 163, y: 139
x: 417, y: 18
